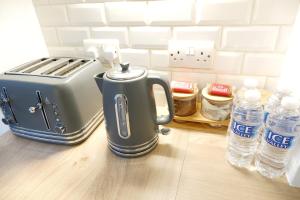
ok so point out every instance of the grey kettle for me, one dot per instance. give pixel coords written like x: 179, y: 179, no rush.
x: 130, y: 109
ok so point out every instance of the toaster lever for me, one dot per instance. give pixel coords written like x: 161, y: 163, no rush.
x: 6, y: 102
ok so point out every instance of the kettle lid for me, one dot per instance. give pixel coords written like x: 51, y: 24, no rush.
x: 125, y: 72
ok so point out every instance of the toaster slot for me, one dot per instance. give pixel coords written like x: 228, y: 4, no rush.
x: 64, y: 71
x: 32, y: 68
x: 51, y: 67
x: 55, y: 67
x: 26, y: 65
x: 40, y: 103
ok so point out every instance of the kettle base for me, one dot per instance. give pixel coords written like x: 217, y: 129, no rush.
x: 133, y: 151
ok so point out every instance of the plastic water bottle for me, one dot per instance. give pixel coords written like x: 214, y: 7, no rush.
x: 281, y: 131
x: 248, y: 84
x: 246, y: 120
x: 275, y: 100
x: 271, y: 106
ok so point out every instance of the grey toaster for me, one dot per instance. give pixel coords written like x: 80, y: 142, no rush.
x: 52, y: 99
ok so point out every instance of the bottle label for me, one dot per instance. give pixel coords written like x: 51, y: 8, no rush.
x: 266, y: 114
x: 243, y: 130
x: 277, y: 140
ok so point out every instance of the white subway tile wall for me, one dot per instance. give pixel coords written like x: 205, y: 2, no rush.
x: 250, y: 36
x: 159, y: 59
x: 120, y: 33
x: 52, y: 15
x: 126, y: 13
x: 139, y: 57
x: 228, y: 62
x: 86, y: 14
x: 170, y: 12
x: 200, y: 78
x: 73, y: 36
x: 262, y: 64
x: 256, y: 38
x: 149, y: 37
x: 270, y: 82
x: 283, y: 38
x: 224, y: 11
x: 270, y: 11
x: 62, y: 51
x: 164, y: 74
x: 238, y: 80
x: 197, y: 33
x: 50, y: 36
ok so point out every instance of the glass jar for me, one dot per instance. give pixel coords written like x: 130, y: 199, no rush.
x: 217, y: 108
x: 185, y: 104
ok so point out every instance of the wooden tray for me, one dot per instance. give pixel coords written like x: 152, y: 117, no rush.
x: 199, y: 118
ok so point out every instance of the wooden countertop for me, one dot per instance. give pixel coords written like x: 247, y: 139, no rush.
x: 187, y: 164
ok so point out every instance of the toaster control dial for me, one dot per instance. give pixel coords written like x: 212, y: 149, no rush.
x: 32, y: 109
x: 59, y: 128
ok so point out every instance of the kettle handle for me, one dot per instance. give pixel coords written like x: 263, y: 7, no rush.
x: 165, y: 118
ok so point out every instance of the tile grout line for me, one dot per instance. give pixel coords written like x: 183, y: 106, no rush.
x: 253, y: 7
x: 183, y: 161
x: 242, y: 64
x: 277, y: 39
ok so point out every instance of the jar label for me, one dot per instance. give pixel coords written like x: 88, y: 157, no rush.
x: 243, y: 130
x: 277, y: 140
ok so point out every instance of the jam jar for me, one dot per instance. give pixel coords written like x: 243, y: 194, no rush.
x: 185, y: 104
x: 217, y: 108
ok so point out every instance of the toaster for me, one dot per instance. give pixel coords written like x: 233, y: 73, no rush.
x: 52, y: 99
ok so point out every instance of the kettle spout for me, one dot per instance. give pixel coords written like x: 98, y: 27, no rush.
x: 99, y: 81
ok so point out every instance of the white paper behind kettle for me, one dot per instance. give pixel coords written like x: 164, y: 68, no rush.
x: 105, y: 50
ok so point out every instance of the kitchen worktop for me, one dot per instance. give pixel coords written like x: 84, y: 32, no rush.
x: 187, y: 164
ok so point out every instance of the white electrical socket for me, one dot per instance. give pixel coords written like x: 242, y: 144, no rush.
x: 189, y: 53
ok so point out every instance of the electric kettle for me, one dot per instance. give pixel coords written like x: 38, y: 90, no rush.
x: 130, y: 109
